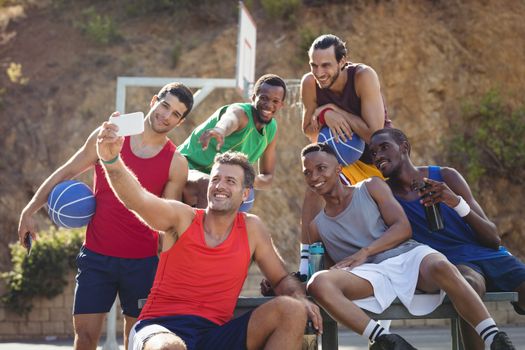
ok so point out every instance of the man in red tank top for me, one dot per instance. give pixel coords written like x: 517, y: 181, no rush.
x: 193, y: 296
x: 119, y: 249
x: 346, y: 97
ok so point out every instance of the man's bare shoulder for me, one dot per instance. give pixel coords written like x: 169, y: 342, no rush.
x: 179, y: 159
x: 253, y: 221
x: 365, y: 72
x: 450, y: 174
x: 308, y: 79
x: 376, y: 186
x: 363, y: 68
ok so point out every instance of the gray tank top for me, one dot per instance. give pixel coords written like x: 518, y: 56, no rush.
x: 356, y: 227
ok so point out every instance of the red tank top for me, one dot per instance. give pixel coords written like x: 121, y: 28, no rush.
x: 194, y: 279
x: 114, y: 230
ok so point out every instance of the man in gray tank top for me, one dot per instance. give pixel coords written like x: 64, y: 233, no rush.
x: 367, y: 237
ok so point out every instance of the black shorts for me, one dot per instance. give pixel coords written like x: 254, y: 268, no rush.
x: 197, y: 332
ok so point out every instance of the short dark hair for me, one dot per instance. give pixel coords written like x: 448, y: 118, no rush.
x: 270, y: 79
x: 327, y: 40
x: 397, y: 135
x: 318, y: 147
x: 181, y: 92
x: 240, y: 159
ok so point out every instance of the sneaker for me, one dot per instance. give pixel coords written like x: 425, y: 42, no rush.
x: 501, y: 342
x: 391, y: 342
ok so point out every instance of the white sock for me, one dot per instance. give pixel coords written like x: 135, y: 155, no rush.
x: 386, y: 324
x: 305, y: 254
x: 487, y: 329
x: 373, y: 330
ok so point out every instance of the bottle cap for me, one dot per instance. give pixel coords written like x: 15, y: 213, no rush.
x: 316, y: 248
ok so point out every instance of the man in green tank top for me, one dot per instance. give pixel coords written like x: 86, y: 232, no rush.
x: 249, y: 128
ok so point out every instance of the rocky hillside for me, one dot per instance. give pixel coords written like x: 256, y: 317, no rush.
x: 431, y: 56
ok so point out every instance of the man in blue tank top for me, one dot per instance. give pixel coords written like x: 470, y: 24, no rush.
x: 367, y: 236
x: 469, y: 239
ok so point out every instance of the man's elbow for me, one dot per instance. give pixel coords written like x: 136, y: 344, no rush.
x: 263, y: 181
x: 495, y: 243
x: 407, y: 229
x: 311, y: 134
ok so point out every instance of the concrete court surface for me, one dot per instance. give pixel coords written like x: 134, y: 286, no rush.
x: 421, y: 338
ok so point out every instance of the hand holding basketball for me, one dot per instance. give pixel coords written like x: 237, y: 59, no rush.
x: 336, y: 122
x: 108, y: 143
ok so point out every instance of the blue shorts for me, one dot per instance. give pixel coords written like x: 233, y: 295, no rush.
x: 101, y: 277
x: 502, y: 274
x: 197, y: 332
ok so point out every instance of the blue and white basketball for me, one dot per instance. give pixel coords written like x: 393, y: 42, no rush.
x: 71, y: 204
x: 248, y: 203
x: 347, y: 152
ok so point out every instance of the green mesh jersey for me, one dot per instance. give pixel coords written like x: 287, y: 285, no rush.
x: 248, y: 140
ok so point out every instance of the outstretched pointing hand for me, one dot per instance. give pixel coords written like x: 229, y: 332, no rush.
x: 216, y: 133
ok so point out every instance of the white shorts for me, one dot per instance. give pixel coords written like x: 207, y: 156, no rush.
x: 136, y: 339
x: 397, y: 277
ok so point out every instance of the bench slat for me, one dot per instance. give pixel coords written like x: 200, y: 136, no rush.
x: 396, y: 311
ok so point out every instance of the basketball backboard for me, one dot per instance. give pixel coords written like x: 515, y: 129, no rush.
x: 246, y: 41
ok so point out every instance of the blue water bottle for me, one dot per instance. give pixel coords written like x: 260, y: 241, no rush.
x: 315, y: 261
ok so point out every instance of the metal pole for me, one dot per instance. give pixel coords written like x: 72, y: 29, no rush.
x: 111, y: 329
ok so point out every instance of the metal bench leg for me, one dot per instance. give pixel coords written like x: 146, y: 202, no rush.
x: 457, y: 344
x: 329, y: 338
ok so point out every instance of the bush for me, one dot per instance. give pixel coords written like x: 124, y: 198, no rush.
x: 281, y: 9
x: 306, y: 38
x: 100, y: 28
x: 137, y: 8
x: 490, y: 141
x: 43, y: 273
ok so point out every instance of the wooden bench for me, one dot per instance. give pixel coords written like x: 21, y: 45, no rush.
x: 396, y: 311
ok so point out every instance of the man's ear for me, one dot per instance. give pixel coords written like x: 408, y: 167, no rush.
x: 405, y: 147
x: 342, y: 63
x: 154, y: 99
x: 245, y: 194
x: 339, y: 169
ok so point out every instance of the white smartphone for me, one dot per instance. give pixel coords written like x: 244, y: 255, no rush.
x: 129, y: 124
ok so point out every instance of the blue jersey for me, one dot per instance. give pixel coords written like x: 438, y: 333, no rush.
x: 457, y: 241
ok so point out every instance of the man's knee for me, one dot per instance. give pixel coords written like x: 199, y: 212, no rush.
x: 442, y: 268
x: 164, y: 341
x: 318, y: 285
x: 87, y: 329
x: 86, y: 338
x: 476, y: 280
x: 195, y: 191
x: 290, y: 308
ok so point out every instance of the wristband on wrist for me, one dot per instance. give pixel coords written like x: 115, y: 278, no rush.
x: 111, y: 161
x: 320, y: 118
x: 462, y: 208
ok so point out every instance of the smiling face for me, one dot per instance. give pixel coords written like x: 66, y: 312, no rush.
x: 321, y: 171
x: 268, y: 101
x: 166, y: 113
x: 387, y: 154
x: 325, y: 67
x: 226, y: 190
